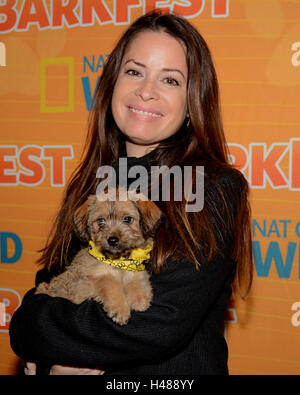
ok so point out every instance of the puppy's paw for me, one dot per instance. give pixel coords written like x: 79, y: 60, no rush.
x: 141, y: 303
x: 42, y: 288
x: 138, y: 297
x: 119, y: 313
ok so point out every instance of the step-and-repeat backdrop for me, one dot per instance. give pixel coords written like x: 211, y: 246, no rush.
x: 52, y: 53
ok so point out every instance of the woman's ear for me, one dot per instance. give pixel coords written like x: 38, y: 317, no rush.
x: 80, y: 219
x: 150, y: 215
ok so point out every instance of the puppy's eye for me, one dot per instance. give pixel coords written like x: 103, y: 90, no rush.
x: 100, y: 221
x: 127, y: 219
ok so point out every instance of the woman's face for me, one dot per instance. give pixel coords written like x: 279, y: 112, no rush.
x: 149, y: 98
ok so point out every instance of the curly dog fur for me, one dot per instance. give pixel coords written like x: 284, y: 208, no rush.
x: 116, y: 227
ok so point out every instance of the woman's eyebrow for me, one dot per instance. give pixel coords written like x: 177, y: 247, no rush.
x: 177, y: 70
x: 164, y: 69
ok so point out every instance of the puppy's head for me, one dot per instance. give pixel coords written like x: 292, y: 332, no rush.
x: 117, y: 225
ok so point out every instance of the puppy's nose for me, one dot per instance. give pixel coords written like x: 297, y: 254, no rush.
x: 113, y: 241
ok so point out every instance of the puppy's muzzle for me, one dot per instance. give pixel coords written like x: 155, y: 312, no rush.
x: 113, y: 241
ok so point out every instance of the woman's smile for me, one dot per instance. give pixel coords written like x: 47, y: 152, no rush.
x: 145, y: 113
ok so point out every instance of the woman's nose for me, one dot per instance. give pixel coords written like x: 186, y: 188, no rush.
x: 147, y: 90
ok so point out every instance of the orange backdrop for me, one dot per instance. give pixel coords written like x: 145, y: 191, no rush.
x: 51, y: 55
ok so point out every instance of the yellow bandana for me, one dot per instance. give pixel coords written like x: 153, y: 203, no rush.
x: 133, y: 263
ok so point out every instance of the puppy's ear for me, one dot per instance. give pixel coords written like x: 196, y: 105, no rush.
x: 150, y: 215
x: 80, y: 219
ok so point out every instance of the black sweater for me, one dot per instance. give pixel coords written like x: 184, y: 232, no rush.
x: 181, y: 333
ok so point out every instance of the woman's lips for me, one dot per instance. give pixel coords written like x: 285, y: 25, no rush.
x: 145, y: 113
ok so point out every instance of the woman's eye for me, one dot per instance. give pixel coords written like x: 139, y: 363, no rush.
x: 133, y: 73
x: 100, y: 221
x: 171, y: 81
x: 127, y: 219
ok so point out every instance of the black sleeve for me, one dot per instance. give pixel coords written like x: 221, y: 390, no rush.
x: 55, y: 331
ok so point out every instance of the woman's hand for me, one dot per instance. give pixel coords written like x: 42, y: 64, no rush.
x: 69, y: 370
x: 30, y: 369
x: 56, y: 370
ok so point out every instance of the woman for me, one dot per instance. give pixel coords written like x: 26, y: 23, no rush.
x: 157, y: 103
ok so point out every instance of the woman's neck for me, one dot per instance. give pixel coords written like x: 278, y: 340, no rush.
x: 137, y: 151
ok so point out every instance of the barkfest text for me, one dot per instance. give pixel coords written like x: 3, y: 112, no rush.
x: 261, y: 164
x: 19, y: 15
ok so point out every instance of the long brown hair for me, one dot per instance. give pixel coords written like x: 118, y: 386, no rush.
x: 200, y: 142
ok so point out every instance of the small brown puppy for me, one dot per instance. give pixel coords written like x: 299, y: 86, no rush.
x: 120, y: 235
